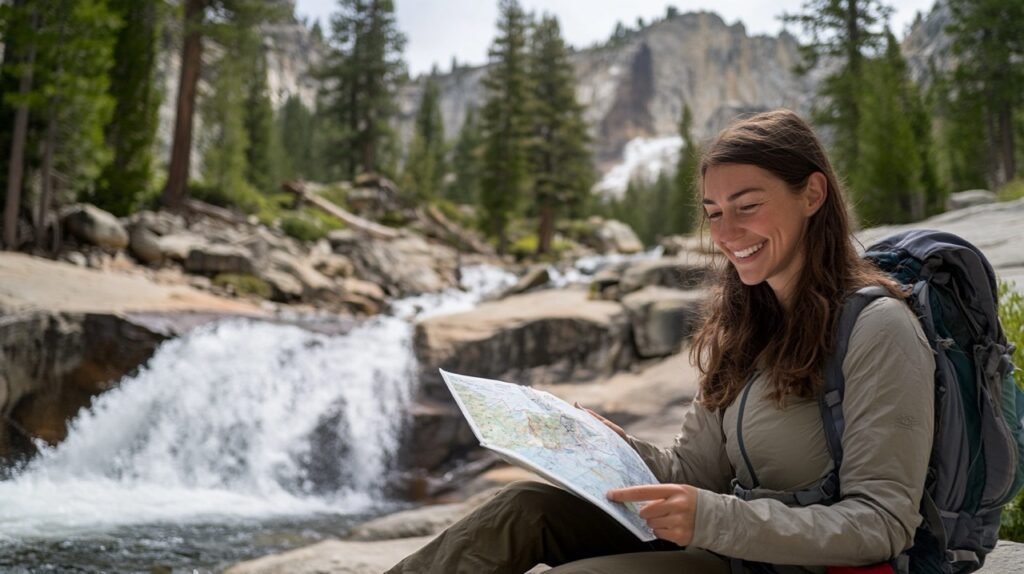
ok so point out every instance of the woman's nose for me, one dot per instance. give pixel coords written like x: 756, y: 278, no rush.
x: 727, y: 227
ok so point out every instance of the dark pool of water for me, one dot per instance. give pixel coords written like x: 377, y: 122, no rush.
x: 170, y: 548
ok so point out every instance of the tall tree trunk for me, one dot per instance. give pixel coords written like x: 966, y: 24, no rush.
x: 181, y: 149
x: 42, y: 208
x: 16, y: 164
x: 546, y: 229
x: 1007, y: 151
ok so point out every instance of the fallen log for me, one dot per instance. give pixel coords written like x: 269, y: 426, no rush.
x: 350, y: 219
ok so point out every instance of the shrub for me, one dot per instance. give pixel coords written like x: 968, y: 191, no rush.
x: 243, y: 284
x: 1012, y: 190
x: 308, y: 225
x: 1011, y: 315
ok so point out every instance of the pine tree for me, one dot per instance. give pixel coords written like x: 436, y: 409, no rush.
x: 560, y: 161
x: 64, y: 83
x: 264, y: 154
x: 506, y: 124
x: 426, y: 166
x: 363, y: 70
x: 132, y: 129
x: 296, y: 125
x: 990, y: 72
x: 466, y: 162
x: 888, y: 174
x: 846, y: 31
x: 684, y: 200
x: 962, y: 147
x: 202, y: 18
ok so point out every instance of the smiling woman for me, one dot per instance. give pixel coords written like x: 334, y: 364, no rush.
x: 750, y: 483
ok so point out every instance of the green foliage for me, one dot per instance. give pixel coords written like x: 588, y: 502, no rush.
x: 264, y: 154
x: 460, y: 214
x: 990, y: 72
x: 425, y: 166
x: 559, y: 155
x: 361, y: 75
x: 506, y: 124
x: 845, y: 31
x: 1011, y: 315
x: 296, y: 126
x: 1011, y: 191
x: 308, y: 225
x: 887, y: 180
x: 467, y: 165
x: 243, y: 284
x: 128, y: 179
x: 684, y: 198
x: 961, y: 143
x: 71, y: 45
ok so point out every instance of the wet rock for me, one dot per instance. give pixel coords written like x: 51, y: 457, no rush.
x: 547, y: 336
x: 315, y: 286
x: 55, y: 363
x: 662, y: 318
x: 422, y: 521
x: 534, y: 277
x: 94, y: 226
x: 438, y: 433
x: 681, y: 272
x: 284, y: 287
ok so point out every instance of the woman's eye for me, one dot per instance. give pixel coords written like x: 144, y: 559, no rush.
x: 749, y: 208
x: 715, y: 215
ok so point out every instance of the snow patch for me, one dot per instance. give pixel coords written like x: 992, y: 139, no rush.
x: 642, y: 159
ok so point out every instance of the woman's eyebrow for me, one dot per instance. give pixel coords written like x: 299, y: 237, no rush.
x: 734, y: 196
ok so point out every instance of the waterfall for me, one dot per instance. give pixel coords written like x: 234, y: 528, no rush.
x: 236, y: 419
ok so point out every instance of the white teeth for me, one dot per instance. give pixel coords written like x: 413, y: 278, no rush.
x: 749, y: 251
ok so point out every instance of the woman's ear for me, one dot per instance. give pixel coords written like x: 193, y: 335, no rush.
x: 815, y: 192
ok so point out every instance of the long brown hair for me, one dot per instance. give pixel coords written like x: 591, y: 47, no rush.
x: 746, y: 325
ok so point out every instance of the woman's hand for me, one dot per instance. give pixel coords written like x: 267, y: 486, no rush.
x: 618, y: 430
x: 671, y: 512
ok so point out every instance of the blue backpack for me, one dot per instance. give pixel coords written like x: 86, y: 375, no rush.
x: 977, y: 459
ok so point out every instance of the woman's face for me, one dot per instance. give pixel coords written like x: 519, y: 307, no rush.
x: 759, y: 223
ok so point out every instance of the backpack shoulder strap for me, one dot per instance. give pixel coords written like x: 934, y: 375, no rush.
x: 835, y: 383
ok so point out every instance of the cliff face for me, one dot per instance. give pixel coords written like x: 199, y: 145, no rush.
x: 633, y: 89
x: 638, y: 88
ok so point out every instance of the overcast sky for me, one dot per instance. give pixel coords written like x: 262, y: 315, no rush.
x: 439, y: 29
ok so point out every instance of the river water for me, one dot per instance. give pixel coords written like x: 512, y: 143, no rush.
x: 239, y: 439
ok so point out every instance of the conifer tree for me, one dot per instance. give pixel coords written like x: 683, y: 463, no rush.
x: 64, y: 83
x: 296, y: 125
x: 560, y: 161
x: 506, y: 124
x: 426, y: 166
x: 200, y: 19
x: 847, y: 32
x: 132, y: 129
x: 362, y: 71
x: 683, y: 202
x: 466, y: 162
x: 888, y: 175
x: 962, y: 148
x: 264, y: 154
x: 990, y: 73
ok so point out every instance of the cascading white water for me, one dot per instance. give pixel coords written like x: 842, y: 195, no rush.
x: 236, y: 419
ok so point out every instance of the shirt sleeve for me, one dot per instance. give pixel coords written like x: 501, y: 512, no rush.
x: 697, y: 457
x: 888, y: 407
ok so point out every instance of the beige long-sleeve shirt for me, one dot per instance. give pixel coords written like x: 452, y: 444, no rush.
x: 888, y: 407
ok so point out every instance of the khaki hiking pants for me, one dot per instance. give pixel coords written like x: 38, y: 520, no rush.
x: 530, y: 523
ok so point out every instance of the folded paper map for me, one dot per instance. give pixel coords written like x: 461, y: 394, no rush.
x: 566, y: 445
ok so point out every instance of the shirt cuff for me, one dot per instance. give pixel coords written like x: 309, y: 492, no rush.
x: 710, y: 532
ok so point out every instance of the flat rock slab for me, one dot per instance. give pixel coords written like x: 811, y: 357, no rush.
x: 33, y: 283
x: 994, y: 228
